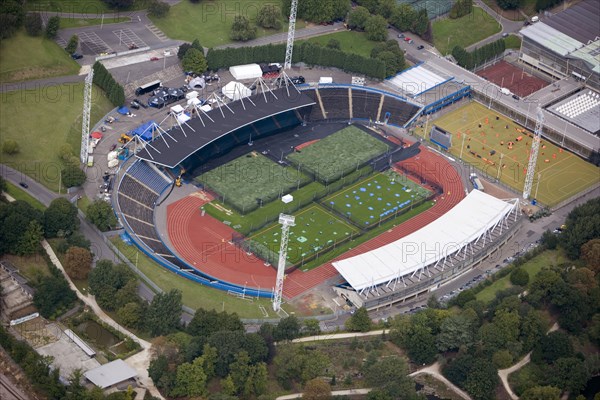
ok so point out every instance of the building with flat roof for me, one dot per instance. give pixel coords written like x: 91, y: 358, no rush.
x: 566, y: 44
x: 110, y: 374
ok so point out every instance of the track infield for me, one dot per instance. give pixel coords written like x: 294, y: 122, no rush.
x: 559, y: 174
x: 376, y: 198
x: 338, y: 154
x: 250, y: 180
x: 316, y: 229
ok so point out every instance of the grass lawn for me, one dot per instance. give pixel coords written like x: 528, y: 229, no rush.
x: 42, y: 121
x: 210, y: 22
x: 379, y: 196
x: 79, y: 6
x: 31, y: 267
x: 337, y: 155
x: 43, y: 58
x: 513, y: 15
x: 315, y: 230
x: 463, y: 31
x: 513, y: 42
x: 249, y: 222
x: 18, y: 194
x: 250, y: 180
x: 350, y: 42
x: 83, y: 203
x: 195, y: 295
x: 561, y: 174
x: 547, y: 259
x: 66, y: 22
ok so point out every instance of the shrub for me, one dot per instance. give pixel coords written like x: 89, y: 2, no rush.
x: 519, y: 277
x: 10, y: 147
x: 33, y: 24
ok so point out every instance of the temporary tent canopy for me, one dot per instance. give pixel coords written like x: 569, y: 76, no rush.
x: 123, y: 110
x: 144, y: 130
x: 197, y: 83
x: 235, y: 90
x: 288, y: 198
x: 248, y: 71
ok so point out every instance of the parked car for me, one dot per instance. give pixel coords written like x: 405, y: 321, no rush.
x: 514, y: 96
x: 505, y: 34
x: 298, y: 80
x: 134, y: 104
x: 420, y: 47
x: 154, y: 58
x: 141, y: 103
x: 23, y: 184
x: 400, y: 35
x: 407, y: 39
x: 76, y: 56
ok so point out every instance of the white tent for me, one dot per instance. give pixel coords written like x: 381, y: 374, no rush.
x: 248, y: 71
x: 235, y: 91
x: 288, y: 198
x: 197, y: 83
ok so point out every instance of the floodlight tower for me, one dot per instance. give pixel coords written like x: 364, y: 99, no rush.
x: 291, y: 32
x: 286, y: 221
x: 85, y: 116
x: 533, y: 155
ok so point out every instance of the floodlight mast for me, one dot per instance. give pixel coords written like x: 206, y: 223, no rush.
x: 291, y: 32
x: 533, y: 155
x: 286, y: 221
x: 85, y: 116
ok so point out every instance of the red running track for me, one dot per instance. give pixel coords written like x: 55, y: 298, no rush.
x: 203, y: 241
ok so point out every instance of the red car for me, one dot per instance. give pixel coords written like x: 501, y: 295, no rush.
x: 406, y: 39
x: 154, y: 59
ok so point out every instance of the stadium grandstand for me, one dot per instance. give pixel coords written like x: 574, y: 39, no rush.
x: 581, y: 109
x: 431, y: 256
x: 566, y: 44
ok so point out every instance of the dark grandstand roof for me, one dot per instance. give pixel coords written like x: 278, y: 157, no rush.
x: 579, y: 21
x: 176, y: 152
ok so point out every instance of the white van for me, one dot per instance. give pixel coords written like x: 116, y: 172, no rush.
x: 325, y: 79
x: 535, y: 18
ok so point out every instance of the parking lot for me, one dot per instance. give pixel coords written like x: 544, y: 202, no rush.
x: 93, y: 42
x: 129, y: 38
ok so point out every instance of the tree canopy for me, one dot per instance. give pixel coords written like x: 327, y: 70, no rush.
x: 60, y: 218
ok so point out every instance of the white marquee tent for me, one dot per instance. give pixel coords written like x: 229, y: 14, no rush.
x: 248, y: 71
x: 235, y: 91
x: 469, y: 221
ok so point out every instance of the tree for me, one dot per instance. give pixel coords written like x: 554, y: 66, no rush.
x: 386, y: 8
x: 190, y: 380
x: 130, y: 315
x: 107, y: 281
x: 52, y: 27
x: 53, y: 296
x: 461, y: 8
x: 241, y: 29
x: 359, y: 321
x: 551, y: 347
x: 158, y: 9
x: 421, y: 22
x: 120, y: 4
x: 316, y: 389
x: 12, y: 15
x: 78, y: 263
x: 549, y: 240
x: 508, y: 4
x: 457, y: 331
x: 206, y: 322
x: 194, y: 61
x: 288, y: 328
x: 30, y: 241
x: 482, y: 380
x: 13, y: 218
x: 502, y: 359
x: 196, y: 45
x: 357, y: 18
x: 183, y: 48
x: 541, y: 393
x: 100, y: 213
x: 403, y: 17
x: 376, y: 28
x: 569, y: 374
x: 72, y: 175
x: 72, y: 45
x: 519, y: 277
x: 312, y: 326
x: 420, y: 345
x: 10, y: 147
x: 269, y: 17
x: 60, y: 218
x: 590, y: 255
x: 390, y: 374
x: 533, y: 327
x: 164, y: 313
x: 33, y: 24
x: 583, y: 225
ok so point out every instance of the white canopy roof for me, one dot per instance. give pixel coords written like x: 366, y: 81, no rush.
x: 466, y: 222
x: 417, y: 80
x: 248, y: 71
x: 235, y: 91
x: 110, y: 374
x: 177, y: 109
